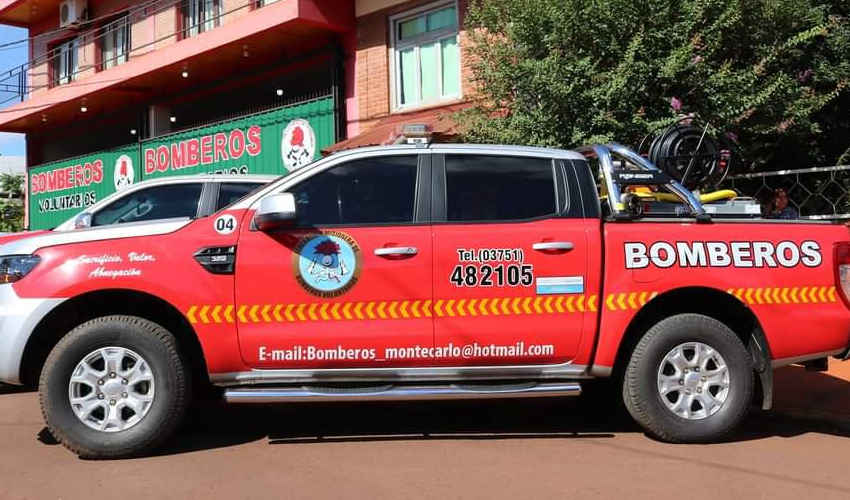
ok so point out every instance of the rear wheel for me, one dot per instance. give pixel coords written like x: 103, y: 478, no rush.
x: 690, y: 379
x: 114, y: 387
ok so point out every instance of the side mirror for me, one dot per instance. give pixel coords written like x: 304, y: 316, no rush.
x: 82, y: 221
x: 275, y: 211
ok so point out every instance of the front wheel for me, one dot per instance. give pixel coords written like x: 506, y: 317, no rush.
x: 690, y: 379
x: 114, y: 387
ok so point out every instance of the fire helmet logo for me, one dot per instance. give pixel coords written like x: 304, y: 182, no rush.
x: 124, y: 174
x: 328, y: 264
x: 298, y: 145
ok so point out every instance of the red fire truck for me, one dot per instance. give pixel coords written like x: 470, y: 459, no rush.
x: 426, y: 272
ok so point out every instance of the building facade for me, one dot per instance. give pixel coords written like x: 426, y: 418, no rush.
x: 116, y: 92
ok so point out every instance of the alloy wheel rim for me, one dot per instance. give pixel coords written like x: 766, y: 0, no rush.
x: 111, y: 389
x: 693, y: 381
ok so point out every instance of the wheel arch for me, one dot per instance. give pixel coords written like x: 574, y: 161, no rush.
x: 77, y: 310
x: 711, y: 302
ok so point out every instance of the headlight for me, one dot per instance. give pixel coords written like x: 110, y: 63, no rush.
x: 15, y: 267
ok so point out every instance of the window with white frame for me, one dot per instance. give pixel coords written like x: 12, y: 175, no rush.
x: 200, y: 16
x: 426, y: 56
x: 65, y: 62
x: 115, y: 43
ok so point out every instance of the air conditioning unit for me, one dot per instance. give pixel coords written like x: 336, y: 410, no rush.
x: 72, y: 12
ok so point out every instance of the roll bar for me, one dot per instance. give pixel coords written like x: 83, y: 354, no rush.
x: 605, y: 154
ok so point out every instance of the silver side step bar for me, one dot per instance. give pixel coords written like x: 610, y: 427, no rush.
x: 399, y: 392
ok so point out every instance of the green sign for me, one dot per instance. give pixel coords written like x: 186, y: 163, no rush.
x: 60, y: 190
x: 274, y: 142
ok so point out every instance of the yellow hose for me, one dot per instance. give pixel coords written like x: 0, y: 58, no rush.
x: 723, y: 194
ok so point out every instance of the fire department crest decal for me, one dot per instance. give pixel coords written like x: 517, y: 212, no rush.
x: 124, y: 173
x: 298, y: 144
x: 328, y: 264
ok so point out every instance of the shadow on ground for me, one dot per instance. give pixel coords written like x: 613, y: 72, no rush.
x: 594, y: 415
x: 13, y: 389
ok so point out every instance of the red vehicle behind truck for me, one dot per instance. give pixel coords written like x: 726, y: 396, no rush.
x: 443, y: 271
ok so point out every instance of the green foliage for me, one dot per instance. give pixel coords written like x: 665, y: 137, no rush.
x: 11, y: 210
x: 11, y: 216
x: 11, y: 184
x: 774, y: 73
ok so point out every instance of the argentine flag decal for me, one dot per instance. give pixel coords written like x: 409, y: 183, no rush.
x: 560, y: 285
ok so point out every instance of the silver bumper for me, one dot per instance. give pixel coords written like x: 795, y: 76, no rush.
x: 18, y: 318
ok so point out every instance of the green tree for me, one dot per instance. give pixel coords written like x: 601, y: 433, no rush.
x: 772, y: 74
x: 11, y: 184
x: 11, y: 208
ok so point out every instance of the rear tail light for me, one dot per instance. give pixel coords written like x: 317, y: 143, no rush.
x: 842, y: 270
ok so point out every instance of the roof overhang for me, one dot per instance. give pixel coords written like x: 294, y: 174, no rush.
x: 389, y: 130
x: 272, y: 34
x: 24, y: 13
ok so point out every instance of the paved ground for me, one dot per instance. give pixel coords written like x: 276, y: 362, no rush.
x: 515, y: 449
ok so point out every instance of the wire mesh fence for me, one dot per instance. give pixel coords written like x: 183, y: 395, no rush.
x: 821, y: 193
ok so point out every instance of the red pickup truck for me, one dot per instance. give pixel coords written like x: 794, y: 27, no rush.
x: 431, y: 272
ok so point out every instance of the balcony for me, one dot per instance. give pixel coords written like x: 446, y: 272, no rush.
x: 155, y: 48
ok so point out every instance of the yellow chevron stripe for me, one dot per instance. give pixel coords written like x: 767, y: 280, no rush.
x: 483, y: 307
x: 203, y: 315
x: 472, y: 310
x: 450, y: 308
x: 497, y: 306
x: 461, y: 307
x: 215, y: 316
x: 504, y: 306
x: 191, y: 314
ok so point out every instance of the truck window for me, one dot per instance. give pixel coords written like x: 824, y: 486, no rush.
x: 369, y: 191
x: 491, y: 188
x: 159, y: 202
x: 231, y: 192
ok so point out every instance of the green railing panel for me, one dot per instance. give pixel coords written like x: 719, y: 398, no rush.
x: 60, y: 190
x: 272, y: 142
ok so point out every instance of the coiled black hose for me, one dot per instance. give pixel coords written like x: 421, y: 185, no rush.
x: 689, y: 154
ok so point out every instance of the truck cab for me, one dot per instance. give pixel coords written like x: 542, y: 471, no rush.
x: 425, y: 272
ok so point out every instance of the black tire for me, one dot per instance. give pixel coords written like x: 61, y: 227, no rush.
x: 171, y: 381
x: 640, y: 385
